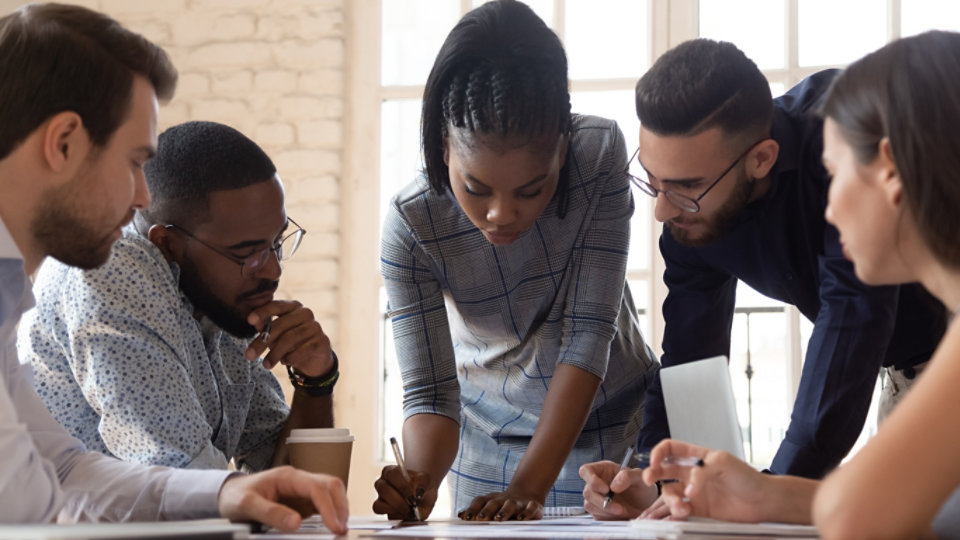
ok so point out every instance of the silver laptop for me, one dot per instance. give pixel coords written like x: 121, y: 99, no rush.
x: 700, y: 405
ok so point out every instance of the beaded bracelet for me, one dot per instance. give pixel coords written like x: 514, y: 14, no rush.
x: 316, y: 386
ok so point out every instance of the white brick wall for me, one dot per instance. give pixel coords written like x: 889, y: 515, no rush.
x: 274, y: 69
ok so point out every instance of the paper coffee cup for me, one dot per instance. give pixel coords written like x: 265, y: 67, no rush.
x: 322, y: 450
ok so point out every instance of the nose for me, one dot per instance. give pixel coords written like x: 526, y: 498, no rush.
x: 271, y: 268
x: 664, y: 210
x: 502, y: 212
x: 141, y: 195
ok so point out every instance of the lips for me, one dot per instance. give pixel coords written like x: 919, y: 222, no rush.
x: 501, y: 238
x: 260, y: 298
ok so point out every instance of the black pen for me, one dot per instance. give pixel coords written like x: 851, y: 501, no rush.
x: 265, y: 333
x: 608, y: 498
x: 403, y: 471
x: 644, y: 458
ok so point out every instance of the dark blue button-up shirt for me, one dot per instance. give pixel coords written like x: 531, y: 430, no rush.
x: 783, y: 247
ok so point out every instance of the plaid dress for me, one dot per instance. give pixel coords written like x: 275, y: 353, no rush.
x: 480, y: 328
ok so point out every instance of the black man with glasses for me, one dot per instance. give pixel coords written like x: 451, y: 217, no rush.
x: 162, y: 356
x: 741, y: 191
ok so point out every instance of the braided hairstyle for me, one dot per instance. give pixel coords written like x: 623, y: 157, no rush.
x: 501, y: 72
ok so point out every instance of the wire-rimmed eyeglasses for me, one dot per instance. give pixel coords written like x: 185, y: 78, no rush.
x: 681, y: 201
x: 249, y: 265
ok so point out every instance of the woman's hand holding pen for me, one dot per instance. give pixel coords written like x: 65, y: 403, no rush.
x: 631, y: 495
x: 395, y: 496
x: 723, y: 488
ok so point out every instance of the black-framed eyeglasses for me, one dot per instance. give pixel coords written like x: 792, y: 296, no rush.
x: 249, y: 265
x: 681, y: 201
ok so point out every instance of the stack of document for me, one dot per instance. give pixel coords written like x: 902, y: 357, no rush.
x: 712, y: 526
x: 206, y: 529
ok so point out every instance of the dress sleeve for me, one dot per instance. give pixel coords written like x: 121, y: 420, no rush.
x: 846, y: 349
x: 421, y: 332
x: 599, y: 258
x: 126, y: 360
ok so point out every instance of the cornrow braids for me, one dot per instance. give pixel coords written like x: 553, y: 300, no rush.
x: 498, y: 102
x: 500, y: 72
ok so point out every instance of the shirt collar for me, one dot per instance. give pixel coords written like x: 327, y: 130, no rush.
x: 8, y: 248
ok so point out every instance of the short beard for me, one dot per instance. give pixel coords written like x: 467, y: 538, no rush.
x: 222, y: 314
x: 723, y: 221
x: 61, y: 233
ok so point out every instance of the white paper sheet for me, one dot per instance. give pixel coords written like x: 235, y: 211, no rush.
x: 711, y: 526
x: 576, y: 527
x: 212, y: 528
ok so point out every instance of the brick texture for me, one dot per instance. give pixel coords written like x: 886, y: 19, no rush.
x: 273, y: 69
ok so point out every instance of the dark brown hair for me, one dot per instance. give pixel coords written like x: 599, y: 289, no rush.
x: 56, y: 58
x: 909, y: 92
x: 701, y: 84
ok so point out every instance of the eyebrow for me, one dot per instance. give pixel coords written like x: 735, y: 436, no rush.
x: 684, y: 181
x: 149, y: 152
x: 473, y: 179
x: 256, y: 243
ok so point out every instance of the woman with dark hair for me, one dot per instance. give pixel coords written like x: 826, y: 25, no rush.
x: 505, y: 269
x: 890, y: 144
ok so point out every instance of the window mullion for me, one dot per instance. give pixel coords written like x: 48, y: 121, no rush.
x: 894, y: 15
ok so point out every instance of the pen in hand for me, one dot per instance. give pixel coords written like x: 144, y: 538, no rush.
x: 642, y: 459
x: 608, y: 498
x: 265, y: 333
x: 406, y: 475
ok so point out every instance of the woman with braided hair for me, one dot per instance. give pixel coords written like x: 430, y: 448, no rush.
x: 505, y: 267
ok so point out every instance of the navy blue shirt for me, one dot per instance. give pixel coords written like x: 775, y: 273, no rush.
x: 783, y: 247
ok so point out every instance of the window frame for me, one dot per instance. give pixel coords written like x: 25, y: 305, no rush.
x: 670, y: 23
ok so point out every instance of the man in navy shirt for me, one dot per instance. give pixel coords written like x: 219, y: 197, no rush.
x: 741, y: 191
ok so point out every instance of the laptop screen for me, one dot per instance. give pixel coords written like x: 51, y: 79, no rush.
x: 700, y: 405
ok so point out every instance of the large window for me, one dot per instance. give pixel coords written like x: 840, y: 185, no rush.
x: 609, y: 43
x: 797, y: 38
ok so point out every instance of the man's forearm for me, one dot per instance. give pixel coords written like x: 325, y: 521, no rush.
x: 306, y: 412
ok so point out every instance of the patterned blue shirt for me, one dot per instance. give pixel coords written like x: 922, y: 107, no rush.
x: 479, y: 328
x: 122, y: 363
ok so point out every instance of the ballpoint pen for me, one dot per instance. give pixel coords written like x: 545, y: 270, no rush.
x: 406, y: 475
x: 642, y: 459
x: 623, y: 465
x: 265, y: 333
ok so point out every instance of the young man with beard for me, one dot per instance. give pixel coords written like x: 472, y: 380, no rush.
x: 149, y: 357
x: 742, y: 192
x: 71, y: 158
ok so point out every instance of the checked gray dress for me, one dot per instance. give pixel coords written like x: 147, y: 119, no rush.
x: 479, y: 329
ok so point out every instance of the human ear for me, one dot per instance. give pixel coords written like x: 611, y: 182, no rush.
x: 762, y: 157
x: 446, y: 151
x: 65, y: 141
x: 166, y: 242
x: 887, y: 173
